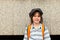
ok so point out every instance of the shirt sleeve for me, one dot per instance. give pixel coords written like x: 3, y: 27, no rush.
x: 25, y: 34
x: 46, y: 34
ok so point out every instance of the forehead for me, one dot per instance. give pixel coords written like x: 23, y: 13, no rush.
x: 37, y: 13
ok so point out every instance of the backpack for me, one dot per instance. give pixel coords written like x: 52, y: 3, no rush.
x: 28, y: 31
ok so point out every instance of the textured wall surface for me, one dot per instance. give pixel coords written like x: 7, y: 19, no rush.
x: 14, y: 15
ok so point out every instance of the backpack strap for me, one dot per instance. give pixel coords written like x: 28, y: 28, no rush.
x: 28, y: 31
x: 43, y: 30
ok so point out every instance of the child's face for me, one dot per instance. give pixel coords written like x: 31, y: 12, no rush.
x: 36, y: 18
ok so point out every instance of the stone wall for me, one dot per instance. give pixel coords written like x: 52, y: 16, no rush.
x: 14, y: 15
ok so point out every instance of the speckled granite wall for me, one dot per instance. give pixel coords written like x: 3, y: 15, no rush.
x: 14, y: 15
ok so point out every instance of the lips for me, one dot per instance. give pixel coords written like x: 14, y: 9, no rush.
x: 37, y: 20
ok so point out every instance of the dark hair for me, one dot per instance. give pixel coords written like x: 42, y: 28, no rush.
x: 32, y: 13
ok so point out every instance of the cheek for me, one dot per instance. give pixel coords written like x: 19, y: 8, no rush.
x: 33, y: 18
x: 39, y: 19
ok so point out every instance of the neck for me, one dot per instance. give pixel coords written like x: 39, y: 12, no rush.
x: 36, y: 24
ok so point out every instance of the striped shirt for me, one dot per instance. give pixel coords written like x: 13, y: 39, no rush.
x: 36, y: 33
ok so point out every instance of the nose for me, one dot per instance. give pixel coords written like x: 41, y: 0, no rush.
x: 36, y: 17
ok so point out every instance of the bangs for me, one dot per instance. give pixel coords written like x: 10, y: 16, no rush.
x: 36, y: 12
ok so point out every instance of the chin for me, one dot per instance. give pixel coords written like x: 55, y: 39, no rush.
x: 36, y: 22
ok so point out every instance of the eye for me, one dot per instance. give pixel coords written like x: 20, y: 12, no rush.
x: 38, y: 15
x: 34, y: 15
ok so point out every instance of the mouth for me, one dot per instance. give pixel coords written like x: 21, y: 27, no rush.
x: 37, y: 20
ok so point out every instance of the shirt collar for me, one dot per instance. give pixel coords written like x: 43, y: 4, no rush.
x: 40, y: 26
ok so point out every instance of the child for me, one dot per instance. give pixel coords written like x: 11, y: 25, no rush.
x: 36, y: 30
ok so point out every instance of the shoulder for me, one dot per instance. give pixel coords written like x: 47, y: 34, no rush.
x: 45, y: 28
x: 27, y: 26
